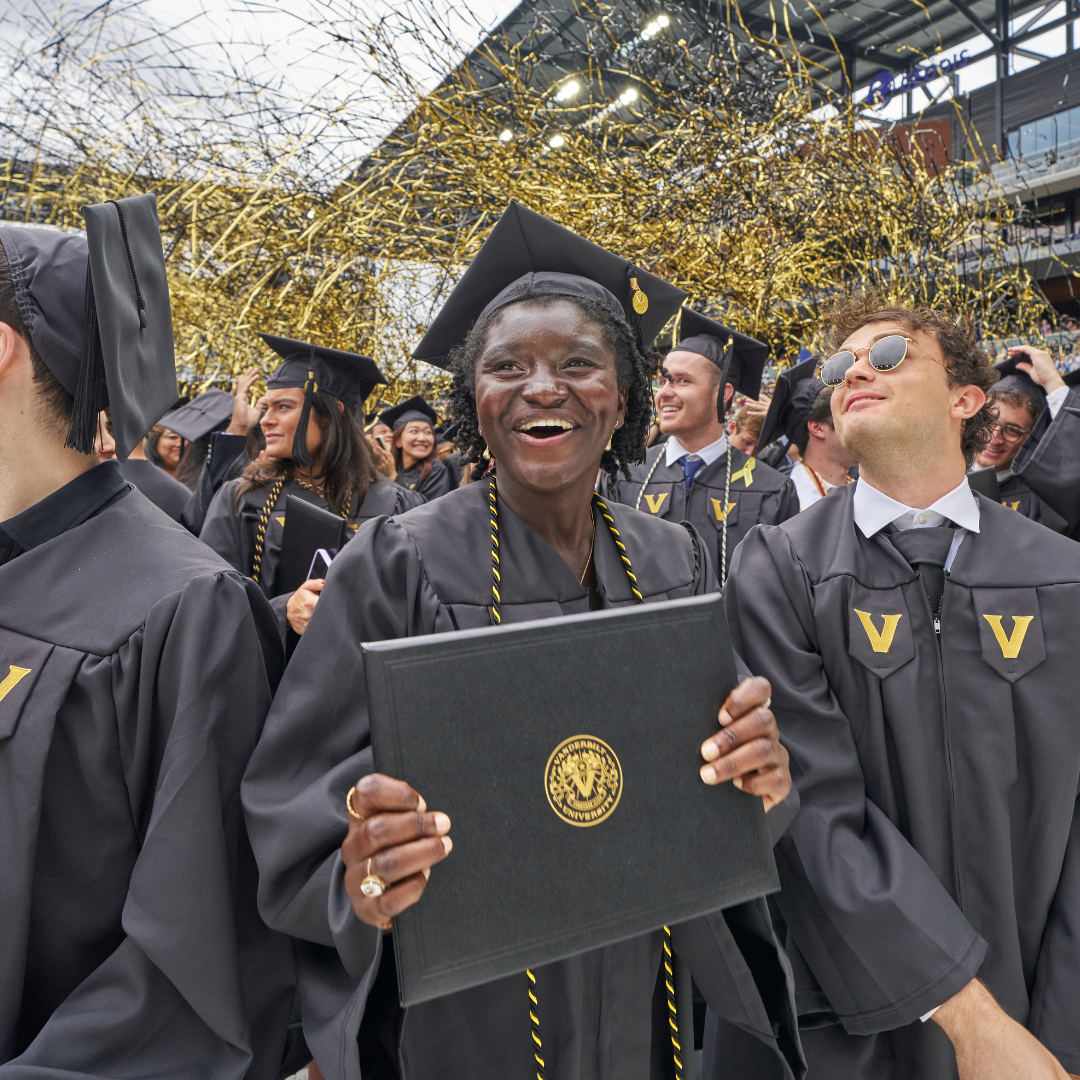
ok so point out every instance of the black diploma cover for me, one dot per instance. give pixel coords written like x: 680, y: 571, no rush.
x: 566, y: 752
x: 308, y: 529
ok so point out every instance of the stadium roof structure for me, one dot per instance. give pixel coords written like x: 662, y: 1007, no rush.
x: 845, y: 42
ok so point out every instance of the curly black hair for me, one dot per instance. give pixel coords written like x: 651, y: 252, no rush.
x: 634, y: 366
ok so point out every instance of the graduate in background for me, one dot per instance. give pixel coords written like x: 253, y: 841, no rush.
x: 1018, y: 403
x: 692, y: 476
x: 1048, y: 460
x: 745, y: 429
x: 413, y: 444
x: 224, y: 429
x: 800, y: 411
x: 138, y: 668
x: 921, y: 645
x: 548, y: 367
x: 153, y: 481
x: 316, y: 451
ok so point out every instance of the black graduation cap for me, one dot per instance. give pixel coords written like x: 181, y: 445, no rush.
x: 1012, y: 378
x: 741, y: 359
x: 350, y: 377
x: 793, y: 397
x: 97, y: 311
x: 415, y: 408
x: 446, y: 432
x: 201, y: 415
x: 526, y: 255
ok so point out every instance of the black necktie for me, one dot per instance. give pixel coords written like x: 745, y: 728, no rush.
x: 926, y: 551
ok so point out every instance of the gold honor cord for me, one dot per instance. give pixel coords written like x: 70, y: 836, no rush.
x: 264, y: 521
x: 673, y: 1015
x: 496, y: 619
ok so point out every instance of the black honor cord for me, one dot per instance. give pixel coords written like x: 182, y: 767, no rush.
x: 496, y: 619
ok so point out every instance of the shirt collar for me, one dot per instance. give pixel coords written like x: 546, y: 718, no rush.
x: 71, y: 505
x: 675, y: 450
x: 873, y: 510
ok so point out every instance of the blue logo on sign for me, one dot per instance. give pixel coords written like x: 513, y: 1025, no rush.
x: 883, y: 86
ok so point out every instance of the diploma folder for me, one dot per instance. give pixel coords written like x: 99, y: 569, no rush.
x: 308, y: 529
x: 566, y: 753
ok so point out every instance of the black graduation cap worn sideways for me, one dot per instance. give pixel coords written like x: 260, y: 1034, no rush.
x: 526, y: 255
x: 97, y: 311
x: 350, y: 377
x: 741, y: 359
x: 793, y: 397
x: 203, y: 414
x: 1012, y: 378
x: 415, y: 408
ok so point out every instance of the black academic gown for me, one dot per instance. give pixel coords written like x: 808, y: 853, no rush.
x: 231, y: 529
x: 141, y: 669
x: 429, y: 571
x: 454, y: 466
x: 226, y: 460
x: 757, y: 495
x: 437, y: 482
x: 1018, y: 496
x: 157, y: 485
x: 1048, y: 461
x: 939, y: 832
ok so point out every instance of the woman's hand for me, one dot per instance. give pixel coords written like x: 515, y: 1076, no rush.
x: 244, y: 415
x: 302, y: 603
x: 1040, y: 366
x: 384, y: 460
x: 748, y: 751
x: 394, y: 838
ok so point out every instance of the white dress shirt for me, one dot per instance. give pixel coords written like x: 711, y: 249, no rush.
x: 675, y: 451
x: 873, y: 510
x: 1055, y: 399
x: 805, y: 487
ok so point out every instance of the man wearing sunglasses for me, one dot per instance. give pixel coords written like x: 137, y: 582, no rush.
x: 1018, y: 403
x: 920, y: 641
x: 1048, y: 461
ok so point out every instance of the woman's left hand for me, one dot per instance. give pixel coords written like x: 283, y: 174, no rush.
x: 747, y: 751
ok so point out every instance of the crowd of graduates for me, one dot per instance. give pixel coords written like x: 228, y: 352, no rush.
x: 201, y: 863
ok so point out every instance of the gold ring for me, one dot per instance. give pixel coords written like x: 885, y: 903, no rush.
x: 373, y: 885
x: 349, y: 805
x: 768, y: 703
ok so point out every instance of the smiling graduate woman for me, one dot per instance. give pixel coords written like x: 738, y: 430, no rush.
x: 548, y: 370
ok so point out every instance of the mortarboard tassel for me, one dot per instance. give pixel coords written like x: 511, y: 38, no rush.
x: 721, y: 404
x: 89, y: 394
x: 639, y: 302
x: 300, y: 453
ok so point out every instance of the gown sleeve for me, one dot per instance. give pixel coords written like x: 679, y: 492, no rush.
x: 221, y: 529
x: 1054, y: 1019
x: 316, y: 745
x: 882, y: 936
x: 1049, y: 459
x: 197, y: 986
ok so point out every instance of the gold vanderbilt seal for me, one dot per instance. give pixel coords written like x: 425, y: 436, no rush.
x: 583, y: 780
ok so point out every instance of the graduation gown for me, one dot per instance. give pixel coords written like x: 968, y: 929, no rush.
x: 226, y: 460
x: 939, y: 832
x: 1018, y: 496
x: 141, y: 669
x: 758, y: 495
x: 437, y: 482
x: 231, y: 529
x: 1048, y: 461
x: 429, y: 571
x: 157, y: 485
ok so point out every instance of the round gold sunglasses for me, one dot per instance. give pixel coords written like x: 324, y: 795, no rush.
x: 886, y: 354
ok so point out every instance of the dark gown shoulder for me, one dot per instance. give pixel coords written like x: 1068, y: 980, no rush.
x: 157, y: 485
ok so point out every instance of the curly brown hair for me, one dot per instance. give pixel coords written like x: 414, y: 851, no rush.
x: 966, y: 363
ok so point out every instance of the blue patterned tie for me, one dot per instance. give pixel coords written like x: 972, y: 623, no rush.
x: 689, y: 467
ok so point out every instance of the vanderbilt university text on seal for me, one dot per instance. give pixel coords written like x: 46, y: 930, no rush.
x: 583, y: 780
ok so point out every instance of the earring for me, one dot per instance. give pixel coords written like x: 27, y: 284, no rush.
x: 613, y: 430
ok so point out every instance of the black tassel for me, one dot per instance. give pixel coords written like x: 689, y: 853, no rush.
x: 89, y: 394
x: 721, y: 404
x: 300, y: 453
